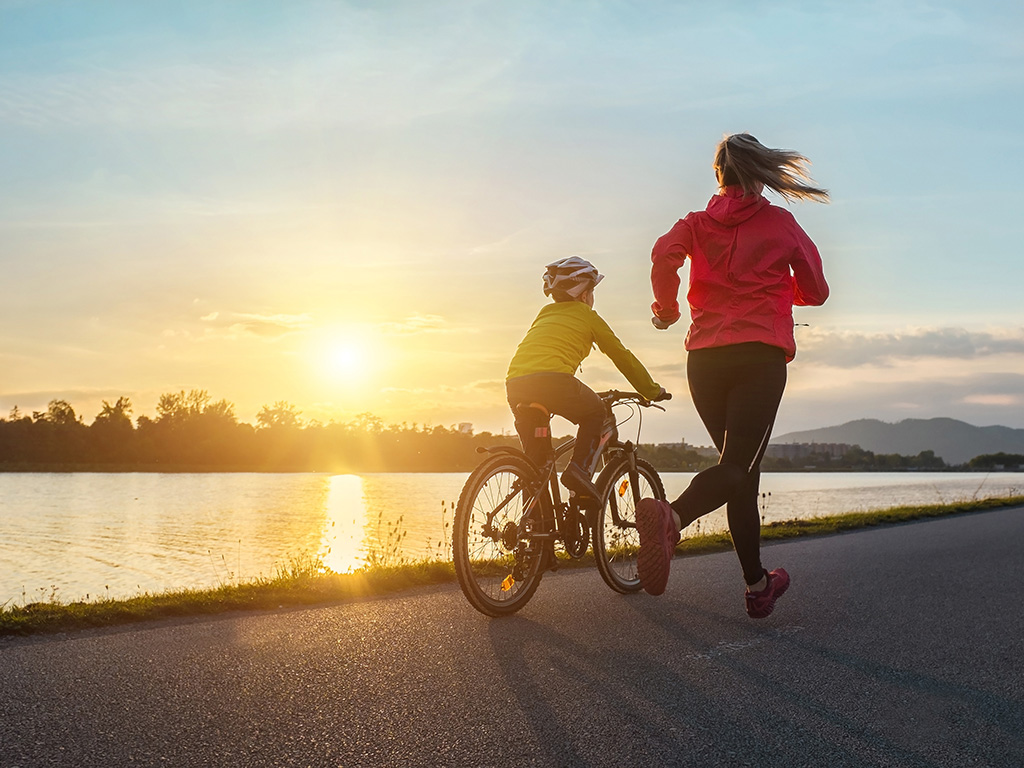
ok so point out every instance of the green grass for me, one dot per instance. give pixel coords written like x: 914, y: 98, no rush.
x: 303, y: 582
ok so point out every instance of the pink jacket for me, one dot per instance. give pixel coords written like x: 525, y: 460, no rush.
x: 750, y: 262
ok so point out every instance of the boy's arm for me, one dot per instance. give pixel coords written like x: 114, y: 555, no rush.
x: 624, y: 360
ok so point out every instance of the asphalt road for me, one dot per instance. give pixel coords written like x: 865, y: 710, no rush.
x: 899, y: 646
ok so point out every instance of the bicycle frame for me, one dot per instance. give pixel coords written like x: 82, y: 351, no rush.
x: 512, y: 511
x: 549, y: 476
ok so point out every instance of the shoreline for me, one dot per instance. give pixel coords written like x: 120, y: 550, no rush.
x: 188, y: 469
x: 304, y: 582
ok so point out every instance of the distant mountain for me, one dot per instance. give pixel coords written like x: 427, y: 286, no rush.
x: 957, y: 442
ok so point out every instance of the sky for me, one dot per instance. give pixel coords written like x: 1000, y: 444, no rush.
x: 348, y: 206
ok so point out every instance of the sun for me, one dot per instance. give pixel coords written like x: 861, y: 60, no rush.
x: 348, y: 360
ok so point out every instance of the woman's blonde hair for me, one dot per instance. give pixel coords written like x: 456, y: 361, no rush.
x: 741, y: 160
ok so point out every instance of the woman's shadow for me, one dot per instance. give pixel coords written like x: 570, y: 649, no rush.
x: 583, y: 699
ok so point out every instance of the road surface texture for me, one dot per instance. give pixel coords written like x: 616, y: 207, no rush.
x: 897, y: 646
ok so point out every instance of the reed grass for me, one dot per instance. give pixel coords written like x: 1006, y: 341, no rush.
x: 303, y: 580
x: 300, y: 581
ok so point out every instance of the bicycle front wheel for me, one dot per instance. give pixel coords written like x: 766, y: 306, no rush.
x: 616, y: 539
x: 498, y: 560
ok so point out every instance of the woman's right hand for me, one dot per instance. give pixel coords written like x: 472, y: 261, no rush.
x: 660, y: 324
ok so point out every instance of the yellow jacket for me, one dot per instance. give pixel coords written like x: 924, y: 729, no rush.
x: 563, y: 335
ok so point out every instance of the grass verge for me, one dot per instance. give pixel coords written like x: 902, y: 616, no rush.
x: 302, y: 582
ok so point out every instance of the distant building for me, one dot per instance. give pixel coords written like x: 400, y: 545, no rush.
x: 700, y: 450
x: 793, y: 451
x: 466, y: 428
x: 789, y: 451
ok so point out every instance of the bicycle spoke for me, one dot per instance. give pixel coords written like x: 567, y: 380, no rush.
x: 495, y: 558
x: 616, y: 539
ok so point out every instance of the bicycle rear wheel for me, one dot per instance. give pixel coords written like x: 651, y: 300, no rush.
x: 498, y: 561
x: 616, y: 540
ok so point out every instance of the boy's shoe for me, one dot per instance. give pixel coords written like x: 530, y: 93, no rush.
x: 577, y: 481
x: 550, y: 561
x: 658, y: 538
x: 761, y: 604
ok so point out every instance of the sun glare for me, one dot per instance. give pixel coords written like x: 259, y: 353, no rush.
x: 345, y: 525
x: 348, y: 360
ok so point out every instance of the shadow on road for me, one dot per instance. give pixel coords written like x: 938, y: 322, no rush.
x: 623, y: 692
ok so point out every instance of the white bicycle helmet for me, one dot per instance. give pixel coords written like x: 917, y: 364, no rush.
x: 571, y: 276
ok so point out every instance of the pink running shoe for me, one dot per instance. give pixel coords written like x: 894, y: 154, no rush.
x: 761, y: 604
x: 658, y: 538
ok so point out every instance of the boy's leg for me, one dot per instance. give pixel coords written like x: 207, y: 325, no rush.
x: 587, y: 411
x: 533, y: 425
x: 566, y: 396
x: 581, y: 405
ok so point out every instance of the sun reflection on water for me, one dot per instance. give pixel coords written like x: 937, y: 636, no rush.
x: 341, y: 546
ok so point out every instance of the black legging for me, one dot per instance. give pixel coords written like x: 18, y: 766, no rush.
x: 736, y: 390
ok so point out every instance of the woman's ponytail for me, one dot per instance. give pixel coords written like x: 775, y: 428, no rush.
x: 741, y: 160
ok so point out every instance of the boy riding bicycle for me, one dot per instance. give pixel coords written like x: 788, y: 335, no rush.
x: 541, y: 381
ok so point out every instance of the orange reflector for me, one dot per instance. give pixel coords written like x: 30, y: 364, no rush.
x: 506, y: 585
x: 623, y: 487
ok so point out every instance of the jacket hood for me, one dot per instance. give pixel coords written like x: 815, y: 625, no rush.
x: 733, y: 207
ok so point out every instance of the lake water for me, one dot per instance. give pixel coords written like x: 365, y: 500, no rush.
x: 86, y: 535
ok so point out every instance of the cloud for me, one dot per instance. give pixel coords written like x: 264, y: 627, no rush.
x: 997, y: 400
x: 481, y: 385
x: 489, y: 385
x: 383, y: 66
x: 171, y: 95
x: 359, y: 68
x: 850, y: 349
x: 414, y: 390
x: 417, y: 324
x: 264, y: 326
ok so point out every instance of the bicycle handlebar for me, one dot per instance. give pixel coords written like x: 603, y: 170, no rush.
x: 613, y: 396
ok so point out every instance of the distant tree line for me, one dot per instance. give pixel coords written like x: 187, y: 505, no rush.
x: 675, y: 457
x: 193, y: 432
x: 858, y: 459
x: 997, y: 461
x: 669, y: 457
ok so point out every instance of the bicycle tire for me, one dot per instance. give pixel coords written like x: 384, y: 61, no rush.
x: 617, y: 544
x: 499, y: 570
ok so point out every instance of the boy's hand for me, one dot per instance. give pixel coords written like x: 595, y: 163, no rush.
x: 663, y: 395
x: 660, y: 324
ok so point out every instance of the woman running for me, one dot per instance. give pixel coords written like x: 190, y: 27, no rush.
x: 750, y: 263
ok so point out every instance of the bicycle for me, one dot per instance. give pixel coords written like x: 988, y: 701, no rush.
x: 511, y: 514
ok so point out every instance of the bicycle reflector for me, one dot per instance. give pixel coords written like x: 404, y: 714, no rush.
x: 506, y: 585
x: 623, y: 487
